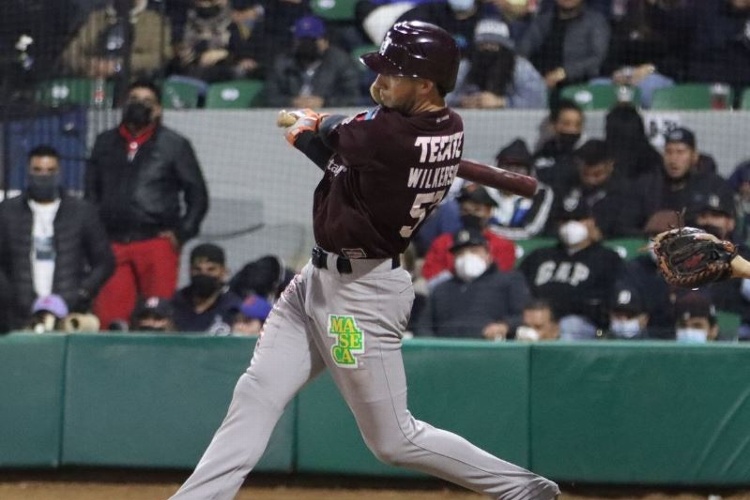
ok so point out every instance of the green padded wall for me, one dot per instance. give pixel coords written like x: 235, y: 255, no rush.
x: 150, y: 401
x: 469, y: 387
x: 642, y: 413
x: 31, y: 399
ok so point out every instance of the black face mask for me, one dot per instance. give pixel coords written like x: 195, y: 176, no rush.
x: 567, y: 141
x: 137, y: 114
x: 472, y: 222
x: 43, y: 187
x: 203, y: 286
x: 208, y: 12
x: 306, y: 51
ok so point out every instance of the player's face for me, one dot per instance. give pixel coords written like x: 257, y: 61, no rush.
x: 678, y: 158
x: 43, y: 165
x: 398, y: 92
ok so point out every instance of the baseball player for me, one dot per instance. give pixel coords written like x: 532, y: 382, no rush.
x: 384, y: 171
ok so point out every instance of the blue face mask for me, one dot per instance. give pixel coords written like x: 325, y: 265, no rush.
x: 461, y: 5
x: 625, y: 328
x: 692, y: 335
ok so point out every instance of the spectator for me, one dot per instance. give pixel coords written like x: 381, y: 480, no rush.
x: 628, y: 318
x: 596, y: 187
x: 375, y: 17
x: 553, y: 161
x: 253, y: 313
x: 671, y: 188
x: 266, y: 276
x: 279, y: 20
x: 153, y: 314
x: 475, y: 209
x: 517, y: 14
x: 497, y: 77
x: 628, y: 143
x: 567, y: 44
x: 206, y: 305
x: 457, y: 17
x: 720, y: 50
x: 577, y: 276
x: 538, y: 322
x: 478, y: 300
x: 739, y: 180
x: 99, y: 48
x: 520, y: 218
x: 696, y: 319
x: 148, y: 185
x: 315, y: 74
x: 50, y: 243
x: 220, y: 43
x: 47, y: 314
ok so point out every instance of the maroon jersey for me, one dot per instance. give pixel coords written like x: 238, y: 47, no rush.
x: 388, y: 172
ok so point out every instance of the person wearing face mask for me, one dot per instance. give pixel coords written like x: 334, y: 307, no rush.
x: 206, y: 304
x: 153, y: 315
x: 148, y: 185
x: 539, y: 322
x: 478, y: 300
x: 315, y: 73
x: 628, y: 318
x: 475, y: 206
x: 553, y: 159
x: 50, y: 243
x: 577, y: 276
x: 695, y: 319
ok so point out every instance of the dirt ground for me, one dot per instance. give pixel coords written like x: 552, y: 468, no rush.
x: 134, y: 485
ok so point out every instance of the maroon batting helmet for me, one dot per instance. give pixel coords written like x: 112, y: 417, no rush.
x: 418, y: 49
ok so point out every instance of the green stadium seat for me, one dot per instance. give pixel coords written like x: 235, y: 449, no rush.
x: 745, y: 99
x: 628, y: 248
x: 686, y: 96
x: 729, y: 323
x: 80, y: 91
x: 180, y: 94
x: 334, y: 10
x: 590, y: 97
x: 237, y: 94
x: 524, y: 247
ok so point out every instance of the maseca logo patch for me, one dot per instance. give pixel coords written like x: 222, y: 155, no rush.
x: 350, y: 340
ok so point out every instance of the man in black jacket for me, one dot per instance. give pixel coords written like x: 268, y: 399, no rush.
x: 148, y: 185
x: 50, y: 243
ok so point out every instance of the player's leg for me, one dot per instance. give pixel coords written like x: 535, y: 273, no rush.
x: 284, y: 360
x: 374, y: 386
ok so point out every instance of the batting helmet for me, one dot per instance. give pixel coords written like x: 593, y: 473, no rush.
x: 419, y: 49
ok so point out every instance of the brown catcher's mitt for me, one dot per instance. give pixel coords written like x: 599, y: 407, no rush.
x: 689, y: 257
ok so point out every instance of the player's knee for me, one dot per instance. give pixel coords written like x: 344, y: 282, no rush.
x: 390, y: 451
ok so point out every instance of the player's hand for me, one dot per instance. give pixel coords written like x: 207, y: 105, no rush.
x: 307, y: 120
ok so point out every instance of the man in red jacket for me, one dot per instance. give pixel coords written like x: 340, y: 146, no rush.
x: 475, y: 206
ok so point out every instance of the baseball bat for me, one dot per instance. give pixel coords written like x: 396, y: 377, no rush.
x: 471, y: 170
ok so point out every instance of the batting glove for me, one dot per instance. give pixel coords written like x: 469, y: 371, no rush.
x: 307, y: 120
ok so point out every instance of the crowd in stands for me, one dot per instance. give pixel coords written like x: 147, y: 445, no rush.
x: 110, y: 261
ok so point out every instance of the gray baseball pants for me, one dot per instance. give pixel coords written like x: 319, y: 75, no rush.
x: 350, y: 324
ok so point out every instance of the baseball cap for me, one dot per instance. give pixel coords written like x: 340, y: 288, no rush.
x: 515, y: 153
x: 309, y: 27
x: 468, y: 238
x: 593, y: 152
x: 153, y: 306
x: 51, y: 303
x: 694, y: 305
x: 680, y: 134
x: 209, y: 252
x: 255, y: 307
x: 476, y: 193
x: 493, y: 31
x: 715, y: 202
x: 626, y: 299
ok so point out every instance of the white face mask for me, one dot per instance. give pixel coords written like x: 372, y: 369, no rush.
x: 461, y: 5
x: 470, y: 266
x: 573, y: 232
x: 692, y: 335
x: 625, y: 328
x: 527, y: 334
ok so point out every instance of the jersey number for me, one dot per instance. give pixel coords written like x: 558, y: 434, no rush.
x: 423, y: 202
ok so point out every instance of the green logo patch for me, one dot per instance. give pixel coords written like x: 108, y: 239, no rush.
x: 349, y: 340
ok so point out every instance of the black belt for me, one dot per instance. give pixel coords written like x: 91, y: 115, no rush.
x: 343, y: 265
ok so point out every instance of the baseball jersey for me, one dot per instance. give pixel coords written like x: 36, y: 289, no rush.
x: 387, y: 174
